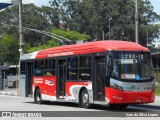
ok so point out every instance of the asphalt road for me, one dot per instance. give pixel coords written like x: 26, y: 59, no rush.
x: 15, y: 103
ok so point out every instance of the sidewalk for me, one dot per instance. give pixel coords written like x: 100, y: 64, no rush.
x: 9, y: 91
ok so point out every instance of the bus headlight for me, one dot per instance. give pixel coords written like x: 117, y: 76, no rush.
x: 115, y: 86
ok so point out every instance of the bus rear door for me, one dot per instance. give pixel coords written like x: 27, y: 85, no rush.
x: 99, y: 78
x: 29, y: 75
x: 61, y: 77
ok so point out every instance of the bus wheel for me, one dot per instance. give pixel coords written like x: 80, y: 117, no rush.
x: 85, y: 99
x: 37, y: 97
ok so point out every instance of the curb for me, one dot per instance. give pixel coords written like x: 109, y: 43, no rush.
x: 6, y: 93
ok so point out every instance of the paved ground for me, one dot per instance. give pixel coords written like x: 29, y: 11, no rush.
x: 14, y: 92
x: 16, y: 103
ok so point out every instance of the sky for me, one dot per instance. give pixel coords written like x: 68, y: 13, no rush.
x: 155, y: 3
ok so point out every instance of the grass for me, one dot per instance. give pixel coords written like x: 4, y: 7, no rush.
x: 156, y: 73
x: 158, y: 89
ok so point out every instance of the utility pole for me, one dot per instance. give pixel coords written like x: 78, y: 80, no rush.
x: 136, y: 21
x: 110, y: 28
x: 20, y: 29
x: 103, y: 34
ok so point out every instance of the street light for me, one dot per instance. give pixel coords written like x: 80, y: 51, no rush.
x: 109, y: 27
x: 122, y: 35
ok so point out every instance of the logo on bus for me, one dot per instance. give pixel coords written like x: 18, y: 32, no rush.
x: 49, y: 82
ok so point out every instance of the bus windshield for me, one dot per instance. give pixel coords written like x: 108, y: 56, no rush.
x: 132, y: 65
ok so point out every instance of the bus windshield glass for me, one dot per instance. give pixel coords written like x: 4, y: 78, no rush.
x: 132, y: 65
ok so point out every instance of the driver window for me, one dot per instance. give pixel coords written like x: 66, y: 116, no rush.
x: 109, y: 65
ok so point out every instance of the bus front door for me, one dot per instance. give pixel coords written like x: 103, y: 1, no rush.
x: 61, y: 77
x: 29, y: 75
x: 99, y: 79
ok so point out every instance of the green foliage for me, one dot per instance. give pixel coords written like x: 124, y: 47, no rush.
x: 92, y: 17
x: 71, y: 35
x: 158, y: 89
x: 51, y: 43
x: 33, y: 49
x: 9, y: 53
x: 40, y: 18
x: 156, y: 73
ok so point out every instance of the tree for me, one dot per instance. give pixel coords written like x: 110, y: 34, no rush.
x: 40, y: 18
x: 9, y: 53
x: 92, y: 17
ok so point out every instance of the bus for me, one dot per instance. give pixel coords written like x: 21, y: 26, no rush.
x: 111, y: 73
x: 9, y: 76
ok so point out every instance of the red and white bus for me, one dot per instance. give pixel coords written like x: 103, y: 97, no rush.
x: 103, y: 72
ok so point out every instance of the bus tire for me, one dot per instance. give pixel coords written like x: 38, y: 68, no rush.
x: 85, y: 99
x: 37, y: 96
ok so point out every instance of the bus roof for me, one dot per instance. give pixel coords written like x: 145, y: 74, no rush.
x: 85, y: 48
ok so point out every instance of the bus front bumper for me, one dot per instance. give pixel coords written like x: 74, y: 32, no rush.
x: 125, y: 97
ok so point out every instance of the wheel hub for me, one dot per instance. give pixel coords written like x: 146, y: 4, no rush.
x: 85, y: 98
x: 38, y: 98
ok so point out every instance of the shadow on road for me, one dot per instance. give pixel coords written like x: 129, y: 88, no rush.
x: 131, y: 108
x: 149, y: 106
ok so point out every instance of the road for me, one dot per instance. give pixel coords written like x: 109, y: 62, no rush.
x: 15, y: 103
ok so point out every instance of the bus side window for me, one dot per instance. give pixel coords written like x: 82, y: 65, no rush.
x: 85, y: 61
x: 49, y: 67
x: 85, y: 68
x: 50, y: 64
x: 109, y: 65
x: 73, y: 62
x: 72, y: 69
x: 38, y: 68
x: 48, y: 73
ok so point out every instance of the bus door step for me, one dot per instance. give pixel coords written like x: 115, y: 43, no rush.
x: 61, y: 100
x: 62, y: 97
